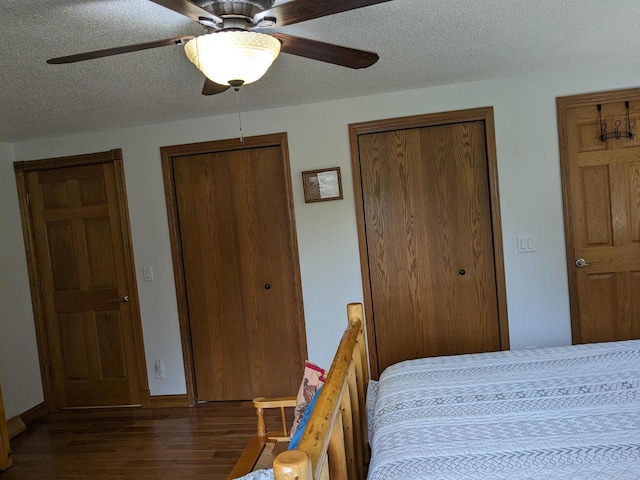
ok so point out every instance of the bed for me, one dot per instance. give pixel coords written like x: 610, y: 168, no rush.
x: 555, y: 413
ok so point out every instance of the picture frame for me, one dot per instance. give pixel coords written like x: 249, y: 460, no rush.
x: 322, y: 185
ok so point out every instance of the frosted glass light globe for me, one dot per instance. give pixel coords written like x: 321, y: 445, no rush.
x: 225, y: 57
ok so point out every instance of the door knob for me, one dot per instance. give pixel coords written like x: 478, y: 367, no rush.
x: 581, y: 263
x: 267, y: 286
x: 462, y: 272
x: 122, y: 299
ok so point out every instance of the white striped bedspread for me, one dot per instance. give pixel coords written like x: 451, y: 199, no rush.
x: 544, y: 414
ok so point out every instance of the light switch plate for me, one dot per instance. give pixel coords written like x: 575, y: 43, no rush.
x: 148, y: 274
x: 526, y: 244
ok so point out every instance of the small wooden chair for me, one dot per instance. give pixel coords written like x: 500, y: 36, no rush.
x: 261, y: 403
x: 256, y: 446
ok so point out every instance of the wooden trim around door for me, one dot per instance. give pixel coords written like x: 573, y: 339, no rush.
x: 178, y: 272
x: 168, y: 153
x: 563, y: 104
x: 484, y: 114
x: 21, y: 168
x: 34, y: 285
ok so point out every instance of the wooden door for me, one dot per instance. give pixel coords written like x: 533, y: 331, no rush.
x: 601, y: 185
x: 429, y: 241
x: 240, y: 265
x: 82, y: 266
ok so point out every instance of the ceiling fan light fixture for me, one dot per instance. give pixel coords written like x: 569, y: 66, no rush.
x: 226, y: 57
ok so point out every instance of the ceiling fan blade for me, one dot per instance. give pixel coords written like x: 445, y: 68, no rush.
x: 80, y: 57
x: 296, y: 11
x: 326, y: 52
x: 188, y: 9
x: 212, y: 88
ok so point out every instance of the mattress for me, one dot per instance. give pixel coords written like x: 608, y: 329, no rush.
x: 542, y: 414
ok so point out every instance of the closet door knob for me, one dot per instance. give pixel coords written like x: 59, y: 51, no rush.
x: 462, y: 272
x: 267, y: 286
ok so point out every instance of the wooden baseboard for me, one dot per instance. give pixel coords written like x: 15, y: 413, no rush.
x: 18, y: 424
x: 169, y: 401
x: 15, y: 426
x: 34, y: 413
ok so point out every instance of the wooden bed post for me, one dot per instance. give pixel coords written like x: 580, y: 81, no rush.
x: 293, y: 465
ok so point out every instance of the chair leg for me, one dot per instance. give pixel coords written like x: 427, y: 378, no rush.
x: 262, y: 427
x: 284, y: 422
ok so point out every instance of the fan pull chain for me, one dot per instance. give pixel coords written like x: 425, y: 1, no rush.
x: 237, y: 90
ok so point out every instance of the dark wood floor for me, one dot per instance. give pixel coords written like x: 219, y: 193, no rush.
x: 159, y: 444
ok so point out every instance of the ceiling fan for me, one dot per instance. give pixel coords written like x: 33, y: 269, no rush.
x: 233, y: 36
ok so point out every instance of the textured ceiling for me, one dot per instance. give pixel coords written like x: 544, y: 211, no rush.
x: 420, y: 42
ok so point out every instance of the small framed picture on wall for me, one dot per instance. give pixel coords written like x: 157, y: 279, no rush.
x: 322, y: 185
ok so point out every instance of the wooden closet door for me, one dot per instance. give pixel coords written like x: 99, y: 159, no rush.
x: 272, y: 297
x: 209, y: 248
x: 429, y: 241
x: 239, y: 258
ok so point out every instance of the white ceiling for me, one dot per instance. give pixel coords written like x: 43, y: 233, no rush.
x: 420, y: 42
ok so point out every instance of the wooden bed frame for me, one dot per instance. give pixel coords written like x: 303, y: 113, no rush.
x: 335, y: 442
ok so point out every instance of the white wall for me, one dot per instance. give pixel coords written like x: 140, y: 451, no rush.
x: 527, y: 147
x: 19, y: 367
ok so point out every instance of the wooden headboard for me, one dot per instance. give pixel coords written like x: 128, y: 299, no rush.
x: 334, y: 444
